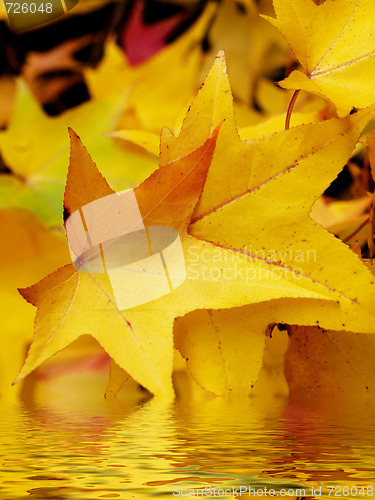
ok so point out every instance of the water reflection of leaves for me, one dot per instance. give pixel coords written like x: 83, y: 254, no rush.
x: 279, y: 445
x: 322, y: 448
x: 128, y: 450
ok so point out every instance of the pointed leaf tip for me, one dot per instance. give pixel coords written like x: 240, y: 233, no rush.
x: 220, y: 61
x: 72, y: 133
x: 220, y: 55
x: 84, y: 182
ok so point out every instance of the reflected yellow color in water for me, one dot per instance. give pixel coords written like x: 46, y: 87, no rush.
x: 88, y: 448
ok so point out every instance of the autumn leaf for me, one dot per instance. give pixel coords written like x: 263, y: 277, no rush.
x: 71, y: 290
x: 71, y: 303
x: 139, y: 340
x: 325, y: 367
x: 334, y: 42
x: 261, y: 234
x: 260, y: 182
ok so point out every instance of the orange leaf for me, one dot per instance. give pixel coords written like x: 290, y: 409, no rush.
x: 84, y: 181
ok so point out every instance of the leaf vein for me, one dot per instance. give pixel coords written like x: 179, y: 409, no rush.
x: 343, y: 65
x: 336, y: 39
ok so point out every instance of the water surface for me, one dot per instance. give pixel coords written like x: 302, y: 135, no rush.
x: 118, y: 450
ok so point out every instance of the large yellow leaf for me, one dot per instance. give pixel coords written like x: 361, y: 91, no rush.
x: 249, y: 203
x: 139, y: 340
x: 261, y: 184
x: 244, y: 199
x: 334, y: 43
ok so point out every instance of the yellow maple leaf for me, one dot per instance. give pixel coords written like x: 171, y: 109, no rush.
x: 262, y: 185
x: 72, y: 303
x: 139, y: 340
x: 334, y: 42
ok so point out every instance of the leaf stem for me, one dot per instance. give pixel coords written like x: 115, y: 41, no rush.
x: 351, y: 235
x: 290, y: 108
